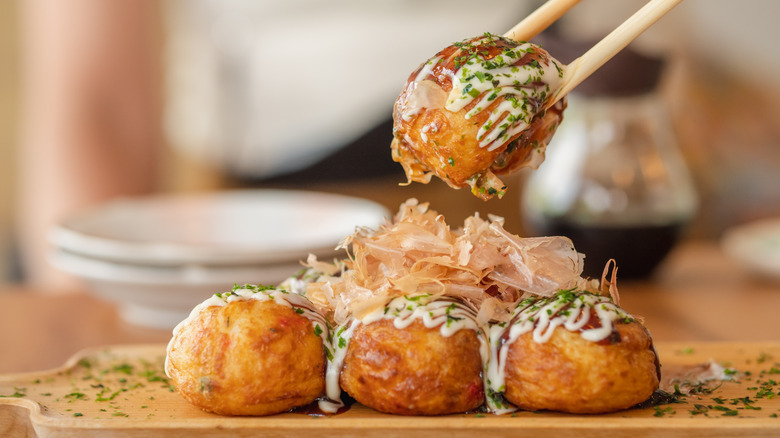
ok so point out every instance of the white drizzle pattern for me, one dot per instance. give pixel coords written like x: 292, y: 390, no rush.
x: 449, y: 315
x: 571, y: 310
x: 418, y: 94
x: 529, y: 86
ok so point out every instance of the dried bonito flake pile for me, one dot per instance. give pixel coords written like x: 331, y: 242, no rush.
x: 417, y: 252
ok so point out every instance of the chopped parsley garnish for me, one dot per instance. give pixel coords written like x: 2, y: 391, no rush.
x: 416, y: 297
x: 18, y: 393
x: 124, y: 368
x: 75, y: 396
x: 662, y: 411
x: 727, y: 412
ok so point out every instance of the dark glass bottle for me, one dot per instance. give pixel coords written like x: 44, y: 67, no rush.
x: 614, y: 180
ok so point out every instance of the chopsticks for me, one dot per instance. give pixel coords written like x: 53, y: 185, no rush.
x: 579, y: 69
x: 540, y: 19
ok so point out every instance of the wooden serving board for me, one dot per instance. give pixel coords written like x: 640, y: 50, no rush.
x: 121, y: 391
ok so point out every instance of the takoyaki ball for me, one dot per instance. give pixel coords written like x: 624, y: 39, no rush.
x: 477, y: 109
x: 570, y: 374
x: 247, y: 357
x: 413, y: 370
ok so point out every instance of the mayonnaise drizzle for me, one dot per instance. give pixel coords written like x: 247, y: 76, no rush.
x: 531, y: 84
x: 423, y: 92
x: 281, y: 297
x: 569, y: 309
x: 529, y: 87
x: 447, y: 314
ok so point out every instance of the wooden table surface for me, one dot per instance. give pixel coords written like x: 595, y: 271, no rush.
x: 698, y: 294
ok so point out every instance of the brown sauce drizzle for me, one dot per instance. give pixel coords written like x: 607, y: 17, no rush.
x: 594, y: 322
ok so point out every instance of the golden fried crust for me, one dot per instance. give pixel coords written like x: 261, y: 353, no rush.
x: 451, y: 152
x: 571, y: 374
x: 248, y: 358
x: 414, y: 370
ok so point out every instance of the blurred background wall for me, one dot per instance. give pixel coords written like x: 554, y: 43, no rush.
x: 722, y: 89
x: 9, y: 110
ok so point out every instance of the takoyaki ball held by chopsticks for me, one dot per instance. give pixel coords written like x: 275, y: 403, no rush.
x: 489, y: 105
x: 251, y: 351
x: 416, y: 358
x: 475, y: 110
x: 575, y: 352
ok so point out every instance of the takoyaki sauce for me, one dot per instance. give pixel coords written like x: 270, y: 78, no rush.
x: 595, y: 322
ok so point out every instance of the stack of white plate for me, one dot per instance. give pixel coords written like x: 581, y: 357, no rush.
x: 159, y: 256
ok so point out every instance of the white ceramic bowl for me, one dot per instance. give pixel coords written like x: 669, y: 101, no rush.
x: 220, y: 228
x: 162, y: 296
x: 756, y: 245
x: 159, y: 256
